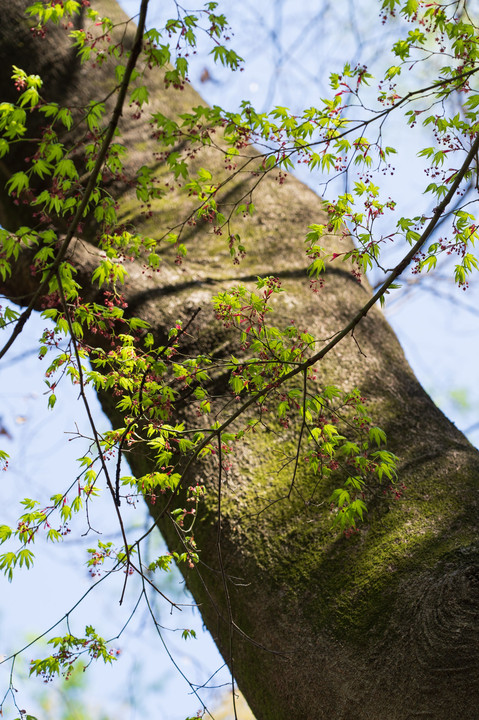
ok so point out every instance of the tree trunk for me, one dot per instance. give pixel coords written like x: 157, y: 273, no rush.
x: 381, y: 625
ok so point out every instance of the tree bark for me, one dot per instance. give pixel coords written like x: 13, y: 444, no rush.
x: 380, y: 625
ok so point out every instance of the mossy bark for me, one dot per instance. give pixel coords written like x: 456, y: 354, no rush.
x: 380, y: 625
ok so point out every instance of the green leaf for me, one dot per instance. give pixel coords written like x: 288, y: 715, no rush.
x: 5, y: 533
x: 18, y: 182
x: 25, y: 557
x: 139, y: 95
x: 377, y: 435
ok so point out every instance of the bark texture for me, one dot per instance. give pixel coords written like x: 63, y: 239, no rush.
x: 380, y: 626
